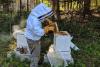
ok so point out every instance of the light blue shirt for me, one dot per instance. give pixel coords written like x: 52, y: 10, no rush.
x: 34, y: 29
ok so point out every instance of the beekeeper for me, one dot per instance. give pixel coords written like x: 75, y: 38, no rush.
x: 34, y: 31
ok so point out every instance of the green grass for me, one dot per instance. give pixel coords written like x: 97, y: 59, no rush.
x: 86, y: 37
x: 4, y: 45
x: 89, y: 55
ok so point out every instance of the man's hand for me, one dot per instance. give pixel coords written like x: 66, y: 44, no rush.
x: 50, y: 22
x: 48, y: 28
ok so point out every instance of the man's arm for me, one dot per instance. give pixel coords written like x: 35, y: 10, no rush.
x: 37, y: 28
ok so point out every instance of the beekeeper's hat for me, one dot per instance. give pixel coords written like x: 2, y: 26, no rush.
x: 41, y: 11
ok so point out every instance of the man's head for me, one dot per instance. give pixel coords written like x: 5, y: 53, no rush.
x: 41, y: 11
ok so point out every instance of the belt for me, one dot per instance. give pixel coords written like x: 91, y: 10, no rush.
x: 33, y: 40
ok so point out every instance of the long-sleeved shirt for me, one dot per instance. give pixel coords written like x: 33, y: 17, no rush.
x: 34, y: 29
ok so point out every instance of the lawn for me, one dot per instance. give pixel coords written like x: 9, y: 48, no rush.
x: 86, y: 35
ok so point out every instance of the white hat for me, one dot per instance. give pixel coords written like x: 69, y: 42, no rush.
x: 41, y: 11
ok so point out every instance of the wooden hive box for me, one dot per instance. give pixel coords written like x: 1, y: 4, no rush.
x: 22, y: 49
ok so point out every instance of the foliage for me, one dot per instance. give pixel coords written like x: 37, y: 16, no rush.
x: 87, y: 37
x: 5, y: 1
x: 14, y: 61
x: 5, y: 22
x: 4, y: 41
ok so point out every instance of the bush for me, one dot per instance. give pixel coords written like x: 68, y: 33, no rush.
x: 5, y: 23
x: 14, y: 61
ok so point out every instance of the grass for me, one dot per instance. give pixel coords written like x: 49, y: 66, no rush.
x: 86, y: 37
x: 88, y: 56
x: 4, y: 43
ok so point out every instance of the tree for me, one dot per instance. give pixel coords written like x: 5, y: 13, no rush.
x: 86, y: 9
x: 6, y: 4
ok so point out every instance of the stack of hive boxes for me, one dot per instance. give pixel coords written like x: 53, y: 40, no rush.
x: 59, y: 53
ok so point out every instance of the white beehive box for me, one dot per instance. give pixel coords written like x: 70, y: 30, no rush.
x: 61, y: 50
x: 22, y: 42
x: 54, y: 58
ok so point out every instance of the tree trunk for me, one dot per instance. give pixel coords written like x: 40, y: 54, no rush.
x: 86, y: 10
x: 20, y: 7
x: 58, y: 10
x: 96, y: 1
x: 27, y: 5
